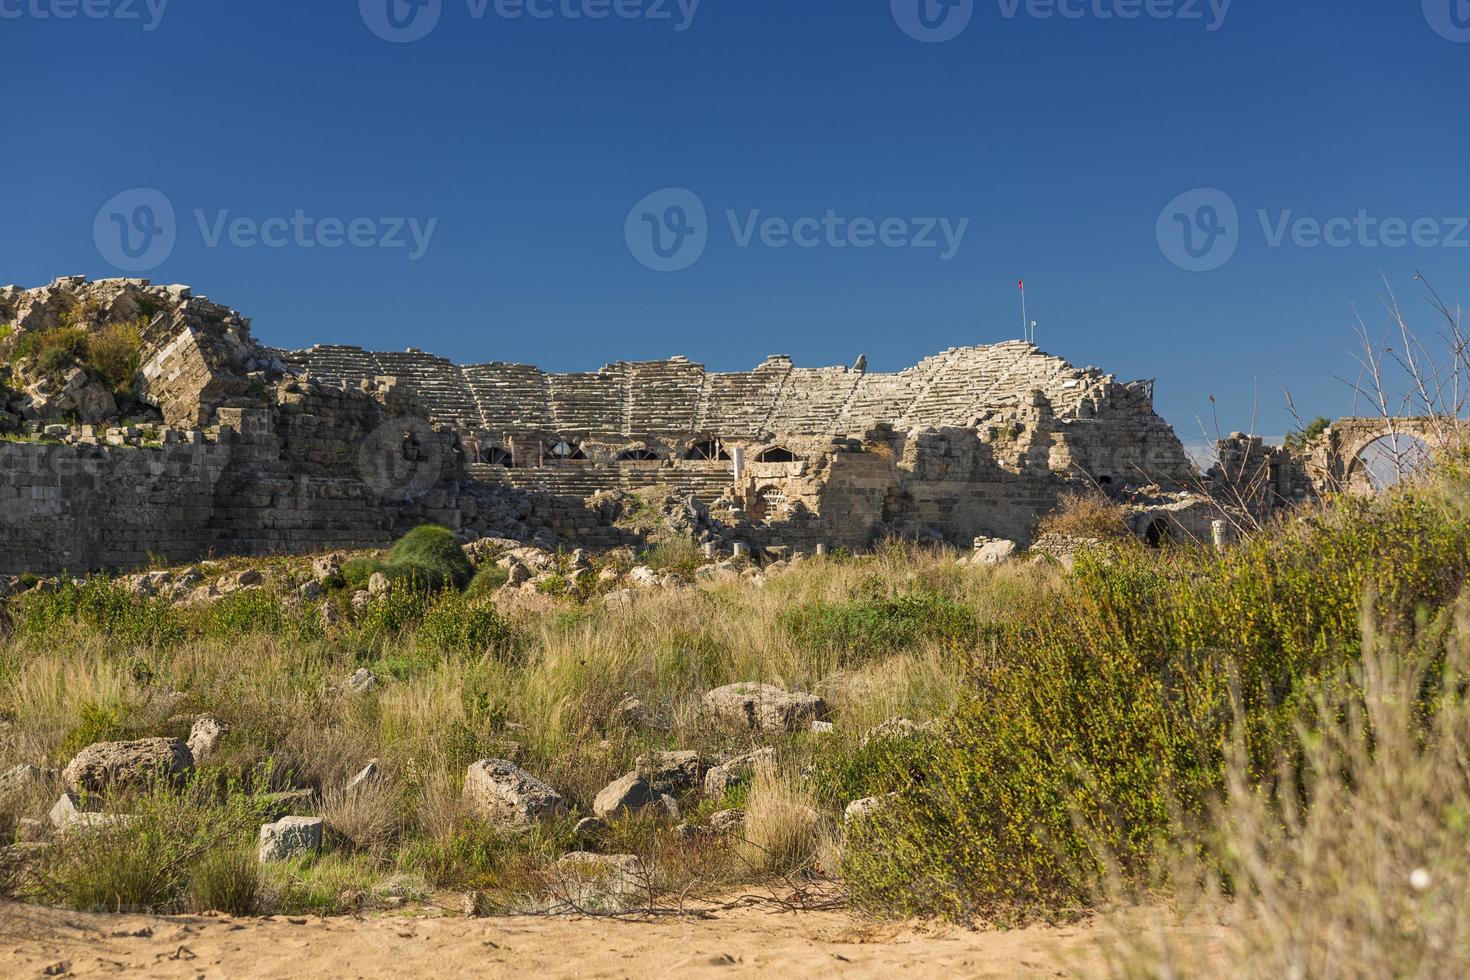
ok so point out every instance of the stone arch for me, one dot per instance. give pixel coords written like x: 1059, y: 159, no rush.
x: 708, y: 450
x: 777, y: 454
x: 1337, y: 460
x: 638, y: 454
x: 1386, y: 461
x: 497, y: 456
x: 569, y: 450
x: 1158, y: 533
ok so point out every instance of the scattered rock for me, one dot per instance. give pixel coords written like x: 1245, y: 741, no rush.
x: 628, y: 794
x: 823, y: 728
x: 378, y: 584
x: 476, y: 905
x: 892, y: 730
x: 329, y: 615
x: 632, y: 713
x: 327, y: 568
x: 73, y: 811
x: 204, y: 737
x: 763, y: 708
x: 105, y: 765
x: 859, y: 809
x: 671, y: 772
x: 362, y: 681
x: 290, y: 837
x: 645, y: 578
x: 19, y: 780
x: 737, y: 771
x: 240, y: 581
x: 588, y: 826
x: 727, y: 821
x: 367, y: 776
x: 992, y: 551
x: 508, y: 796
x: 582, y: 881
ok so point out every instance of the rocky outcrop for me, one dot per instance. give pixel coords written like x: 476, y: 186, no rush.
x: 507, y: 796
x: 290, y: 838
x: 763, y: 708
x: 113, y: 765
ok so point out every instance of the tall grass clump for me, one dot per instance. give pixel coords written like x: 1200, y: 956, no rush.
x: 1094, y: 720
x: 1085, y: 515
x: 147, y: 860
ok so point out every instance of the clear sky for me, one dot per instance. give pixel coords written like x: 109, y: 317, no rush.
x: 491, y: 190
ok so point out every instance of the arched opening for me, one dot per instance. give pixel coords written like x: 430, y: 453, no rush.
x: 709, y: 450
x: 1158, y: 533
x: 776, y: 454
x: 639, y: 455
x: 497, y: 456
x: 1104, y: 481
x: 567, y: 450
x: 1386, y: 462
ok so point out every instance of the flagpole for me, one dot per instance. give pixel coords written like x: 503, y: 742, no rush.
x: 1025, y: 320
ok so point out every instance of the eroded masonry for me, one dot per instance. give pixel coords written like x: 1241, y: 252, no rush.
x: 214, y: 444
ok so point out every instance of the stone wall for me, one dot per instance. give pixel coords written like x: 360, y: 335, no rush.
x: 263, y: 450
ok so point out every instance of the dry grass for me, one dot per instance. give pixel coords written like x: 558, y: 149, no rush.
x: 1085, y: 515
x: 785, y: 833
x: 548, y: 705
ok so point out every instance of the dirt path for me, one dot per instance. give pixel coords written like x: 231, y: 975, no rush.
x: 744, y: 942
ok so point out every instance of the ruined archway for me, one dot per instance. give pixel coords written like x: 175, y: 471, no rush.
x: 1365, y: 454
x: 1386, y: 462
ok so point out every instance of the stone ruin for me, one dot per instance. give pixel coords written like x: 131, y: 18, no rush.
x: 224, y: 446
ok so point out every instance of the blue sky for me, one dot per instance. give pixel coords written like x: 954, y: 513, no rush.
x: 483, y: 189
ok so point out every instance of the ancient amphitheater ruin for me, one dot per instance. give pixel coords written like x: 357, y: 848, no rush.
x: 224, y: 446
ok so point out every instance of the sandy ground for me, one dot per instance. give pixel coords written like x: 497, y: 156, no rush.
x: 742, y: 942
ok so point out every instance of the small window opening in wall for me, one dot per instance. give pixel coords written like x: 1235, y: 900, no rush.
x: 776, y: 454
x: 1158, y: 533
x: 497, y: 456
x: 707, y: 450
x: 1105, y: 481
x: 638, y: 455
x: 567, y: 450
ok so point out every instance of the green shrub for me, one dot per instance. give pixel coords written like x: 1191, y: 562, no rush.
x: 867, y: 626
x: 1117, y: 705
x: 455, y: 625
x: 146, y: 862
x: 257, y: 611
x: 103, y: 606
x: 487, y: 580
x: 114, y: 354
x: 357, y: 571
x: 677, y: 554
x: 54, y: 351
x: 431, y: 556
x: 226, y: 880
